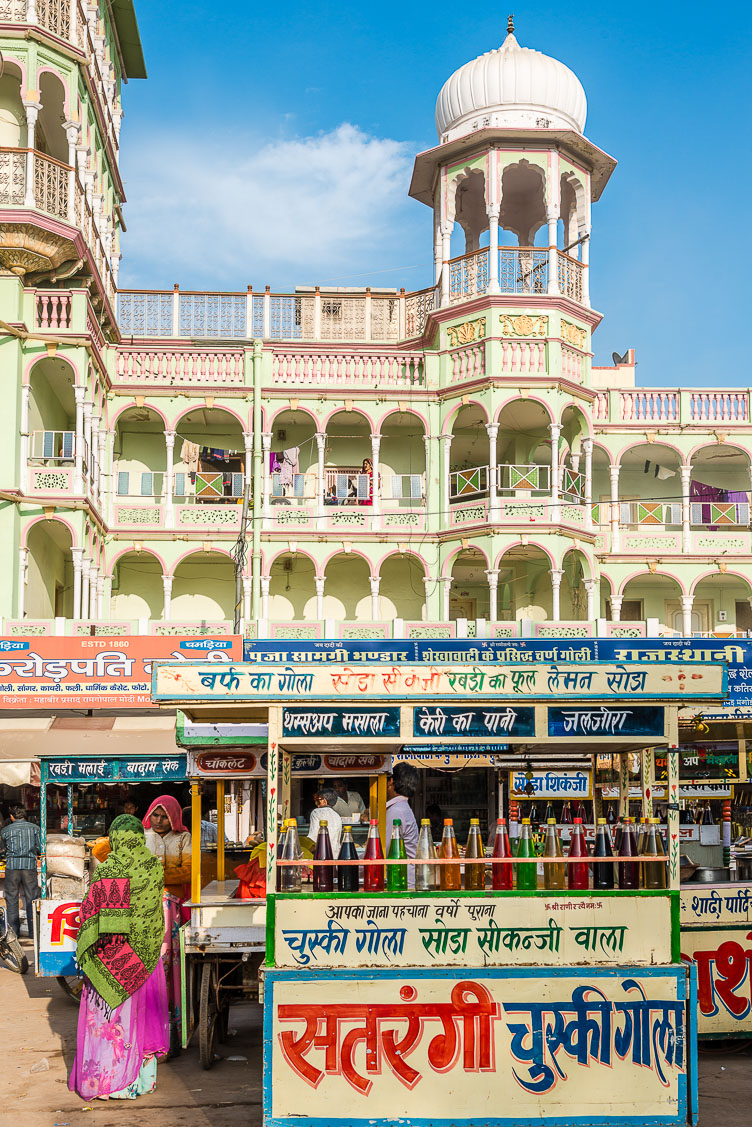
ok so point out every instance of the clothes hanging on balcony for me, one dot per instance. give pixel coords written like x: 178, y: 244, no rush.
x: 289, y: 466
x: 189, y: 455
x: 661, y: 472
x: 216, y: 456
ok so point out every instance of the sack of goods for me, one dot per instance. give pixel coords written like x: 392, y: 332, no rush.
x: 66, y: 888
x: 66, y: 856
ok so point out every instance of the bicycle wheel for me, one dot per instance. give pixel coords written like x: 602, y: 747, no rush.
x: 12, y: 954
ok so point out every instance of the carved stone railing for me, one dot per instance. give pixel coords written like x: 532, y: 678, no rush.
x: 150, y: 367
x: 347, y: 369
x: 701, y: 406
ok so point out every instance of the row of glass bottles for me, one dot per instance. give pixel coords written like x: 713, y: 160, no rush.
x: 628, y: 872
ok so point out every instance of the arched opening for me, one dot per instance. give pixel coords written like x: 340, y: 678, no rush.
x: 12, y: 114
x: 574, y: 429
x: 605, y: 589
x: 653, y: 595
x: 719, y: 488
x: 523, y: 201
x: 49, y: 571
x: 49, y: 134
x: 292, y: 589
x: 348, y: 463
x: 650, y: 489
x: 523, y: 450
x: 209, y: 458
x: 347, y: 588
x: 468, y: 465
x: 402, y: 459
x: 721, y: 605
x: 137, y: 588
x: 52, y: 413
x: 573, y: 606
x: 524, y: 584
x: 203, y: 588
x: 402, y: 592
x: 293, y: 458
x: 601, y: 487
x: 139, y: 455
x: 470, y: 208
x: 572, y: 212
x: 469, y: 595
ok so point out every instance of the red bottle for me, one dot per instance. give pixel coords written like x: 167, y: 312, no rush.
x: 629, y: 871
x: 373, y: 875
x: 502, y: 877
x: 577, y: 875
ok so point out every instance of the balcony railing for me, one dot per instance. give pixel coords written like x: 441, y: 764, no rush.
x: 719, y: 514
x: 518, y: 479
x: 188, y: 489
x: 650, y: 513
x: 522, y: 270
x: 53, y: 447
x: 671, y: 405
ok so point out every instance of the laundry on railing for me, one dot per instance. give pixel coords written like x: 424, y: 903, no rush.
x: 285, y: 464
x: 712, y: 505
x: 189, y: 454
x: 217, y: 456
x: 661, y: 472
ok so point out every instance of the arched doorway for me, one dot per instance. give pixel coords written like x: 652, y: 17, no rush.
x: 203, y: 589
x: 137, y: 587
x: 49, y: 571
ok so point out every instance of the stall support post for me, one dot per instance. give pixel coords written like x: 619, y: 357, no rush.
x: 220, y: 829
x: 272, y: 795
x: 69, y: 789
x: 285, y: 769
x: 624, y: 784
x: 43, y: 826
x: 726, y: 832
x: 672, y: 759
x: 195, y: 841
x: 381, y: 808
x: 647, y: 772
x: 597, y: 800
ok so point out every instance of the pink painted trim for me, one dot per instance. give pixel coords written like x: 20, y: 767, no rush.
x: 341, y: 552
x: 445, y: 428
x: 721, y: 575
x: 114, y: 419
x: 707, y: 445
x: 63, y: 82
x: 419, y: 415
x: 211, y: 394
x: 300, y: 410
x: 12, y: 60
x: 533, y: 544
x: 41, y: 359
x: 341, y: 411
x: 578, y: 408
x: 43, y: 520
x: 403, y: 556
x: 647, y: 575
x: 131, y: 552
x: 528, y: 399
x: 199, y: 552
x: 446, y: 570
x: 646, y: 424
x: 268, y: 564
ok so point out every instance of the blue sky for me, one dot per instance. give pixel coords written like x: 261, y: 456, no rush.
x: 274, y: 145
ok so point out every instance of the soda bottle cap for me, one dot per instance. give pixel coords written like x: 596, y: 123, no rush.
x: 628, y: 821
x: 347, y: 829
x: 323, y: 822
x: 501, y: 821
x: 425, y: 821
x: 526, y: 821
x: 374, y: 821
x: 475, y: 821
x: 449, y: 821
x: 578, y: 821
x: 397, y: 822
x: 601, y: 821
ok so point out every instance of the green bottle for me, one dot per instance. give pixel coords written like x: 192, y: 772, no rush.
x: 527, y: 871
x: 396, y: 875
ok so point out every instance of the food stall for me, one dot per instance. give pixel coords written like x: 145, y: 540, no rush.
x: 385, y: 1007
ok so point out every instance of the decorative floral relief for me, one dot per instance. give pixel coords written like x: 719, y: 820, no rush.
x: 363, y: 630
x: 401, y: 520
x: 223, y: 516
x: 573, y: 334
x: 467, y: 332
x: 563, y: 630
x: 713, y: 543
x: 357, y: 520
x: 626, y: 630
x: 20, y: 629
x: 284, y: 516
x: 652, y: 543
x: 192, y: 629
x: 503, y: 630
x: 111, y: 629
x: 50, y: 479
x: 515, y: 511
x: 473, y: 512
x: 295, y: 630
x: 523, y: 325
x: 150, y: 516
x: 430, y: 630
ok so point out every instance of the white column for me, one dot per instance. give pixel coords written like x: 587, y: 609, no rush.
x: 686, y: 474
x: 437, y: 246
x: 78, y: 473
x: 446, y: 440
x: 585, y: 259
x: 321, y: 444
x: 32, y: 112
x: 615, y: 515
x: 167, y: 588
x: 446, y: 584
x: 247, y: 591
x: 24, y: 453
x: 375, y: 581
x: 427, y: 487
x: 686, y: 609
x: 72, y: 130
x: 492, y: 211
x: 446, y: 253
x: 557, y: 574
x: 616, y: 601
x: 552, y: 218
x: 169, y: 437
x: 101, y: 454
x: 428, y: 585
x: 93, y: 582
x: 265, y: 583
x: 77, y: 556
x: 375, y: 448
x: 88, y: 408
x: 493, y: 587
x: 23, y: 556
x: 248, y: 446
x: 94, y: 458
x: 492, y: 430
x: 555, y: 430
x: 587, y: 447
x: 111, y: 475
x: 100, y: 596
x: 590, y: 589
x: 266, y: 445
x: 319, y: 581
x: 85, y: 573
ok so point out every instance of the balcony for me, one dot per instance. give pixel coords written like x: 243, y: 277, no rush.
x: 522, y: 270
x: 199, y: 501
x: 636, y: 407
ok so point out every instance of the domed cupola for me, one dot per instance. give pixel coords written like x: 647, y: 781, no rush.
x: 512, y: 87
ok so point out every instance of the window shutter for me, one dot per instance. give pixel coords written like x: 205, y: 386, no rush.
x: 237, y: 485
x: 277, y: 490
x: 123, y: 483
x: 48, y: 444
x: 298, y: 483
x: 147, y: 484
x: 396, y: 487
x: 342, y: 486
x: 416, y: 487
x: 68, y: 443
x: 179, y: 486
x: 364, y: 486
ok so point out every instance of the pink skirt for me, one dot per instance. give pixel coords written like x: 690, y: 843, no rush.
x: 112, y: 1045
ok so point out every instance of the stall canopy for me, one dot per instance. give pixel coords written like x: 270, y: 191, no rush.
x: 23, y: 739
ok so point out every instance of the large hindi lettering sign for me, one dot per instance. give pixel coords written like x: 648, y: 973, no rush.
x: 602, y: 720
x: 551, y: 784
x: 462, y: 1046
x: 484, y: 723
x: 90, y: 769
x: 703, y: 904
x: 460, y: 931
x: 352, y: 723
x: 543, y: 682
x: 114, y: 672
x: 724, y: 983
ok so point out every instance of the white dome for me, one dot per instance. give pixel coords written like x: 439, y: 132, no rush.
x: 511, y: 87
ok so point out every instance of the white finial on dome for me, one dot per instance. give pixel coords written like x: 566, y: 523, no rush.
x: 511, y: 87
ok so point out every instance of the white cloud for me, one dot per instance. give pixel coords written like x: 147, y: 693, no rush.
x: 302, y: 210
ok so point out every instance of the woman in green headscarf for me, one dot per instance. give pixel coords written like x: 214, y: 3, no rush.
x: 123, y: 1023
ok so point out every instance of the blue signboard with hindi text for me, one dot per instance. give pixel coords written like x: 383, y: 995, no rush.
x: 603, y: 720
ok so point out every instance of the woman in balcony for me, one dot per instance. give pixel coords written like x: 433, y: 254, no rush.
x: 367, y: 471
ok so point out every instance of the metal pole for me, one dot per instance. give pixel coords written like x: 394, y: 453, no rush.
x: 195, y: 841
x: 43, y: 826
x: 220, y: 829
x: 239, y: 556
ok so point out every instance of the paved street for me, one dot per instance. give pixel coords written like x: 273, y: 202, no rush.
x: 37, y: 1020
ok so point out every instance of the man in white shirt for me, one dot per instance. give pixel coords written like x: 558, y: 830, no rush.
x: 401, y: 786
x: 324, y: 811
x: 348, y: 802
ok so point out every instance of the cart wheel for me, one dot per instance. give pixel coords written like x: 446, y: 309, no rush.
x: 207, y: 1015
x: 72, y: 985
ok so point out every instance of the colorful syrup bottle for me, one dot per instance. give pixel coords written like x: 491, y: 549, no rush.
x: 323, y: 875
x: 373, y: 875
x: 654, y: 872
x: 348, y: 879
x: 527, y: 871
x: 603, y: 872
x: 396, y: 875
x: 475, y: 874
x: 629, y: 871
x: 533, y: 814
x: 566, y: 814
x: 449, y: 877
x: 426, y: 876
x: 581, y: 814
x: 550, y: 813
x: 291, y: 874
x: 707, y: 817
x: 553, y: 875
x: 280, y: 854
x: 502, y: 877
x: 611, y: 814
x: 577, y: 875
